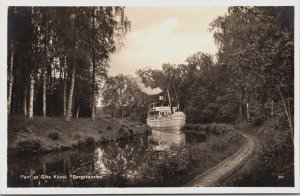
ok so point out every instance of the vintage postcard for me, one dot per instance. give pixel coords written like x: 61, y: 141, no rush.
x: 149, y: 98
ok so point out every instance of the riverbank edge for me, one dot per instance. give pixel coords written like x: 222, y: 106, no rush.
x: 12, y: 151
x: 121, y: 133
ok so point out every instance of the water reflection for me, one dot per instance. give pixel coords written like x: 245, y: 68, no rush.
x: 104, y: 165
x: 75, y: 168
x: 165, y: 138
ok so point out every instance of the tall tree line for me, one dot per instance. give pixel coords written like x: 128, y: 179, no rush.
x: 57, y: 55
x: 252, y: 76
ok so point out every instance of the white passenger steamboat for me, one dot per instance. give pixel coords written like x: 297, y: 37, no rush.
x: 162, y: 115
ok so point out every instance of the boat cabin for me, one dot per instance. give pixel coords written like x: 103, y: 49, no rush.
x: 160, y: 109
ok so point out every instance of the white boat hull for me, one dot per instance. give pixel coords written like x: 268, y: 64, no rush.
x: 175, y: 121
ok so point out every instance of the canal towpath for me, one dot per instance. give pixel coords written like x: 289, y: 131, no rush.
x: 224, y: 169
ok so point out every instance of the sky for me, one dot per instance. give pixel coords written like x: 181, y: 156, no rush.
x: 164, y: 35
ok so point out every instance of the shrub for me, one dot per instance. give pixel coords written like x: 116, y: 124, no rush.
x: 177, y: 162
x: 207, y: 130
x: 29, y: 146
x: 108, y: 127
x: 257, y: 121
x: 103, y: 139
x: 162, y: 168
x: 80, y: 143
x: 130, y: 131
x: 198, y: 137
x: 53, y: 135
x: 90, y: 141
x: 121, y: 130
x: 227, y: 113
x: 28, y: 129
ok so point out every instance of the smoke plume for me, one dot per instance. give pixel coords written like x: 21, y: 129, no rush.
x: 148, y: 90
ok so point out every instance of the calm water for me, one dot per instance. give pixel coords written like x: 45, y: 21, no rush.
x: 99, y: 166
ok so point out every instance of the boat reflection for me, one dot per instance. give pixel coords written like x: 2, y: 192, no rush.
x: 164, y: 138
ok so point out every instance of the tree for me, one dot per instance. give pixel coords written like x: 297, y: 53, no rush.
x: 10, y: 80
x: 108, y: 26
x: 257, y: 44
x: 123, y: 98
x: 31, y: 97
x: 52, y: 46
x: 19, y: 64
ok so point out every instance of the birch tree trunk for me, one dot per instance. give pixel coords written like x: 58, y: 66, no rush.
x: 288, y: 114
x: 247, y: 111
x: 10, y: 82
x: 31, y: 96
x: 93, y: 85
x: 44, y: 92
x: 69, y: 106
x: 77, y: 112
x: 93, y: 89
x: 45, y: 65
x: 65, y: 87
x: 272, y: 108
x: 73, y: 103
x: 25, y: 103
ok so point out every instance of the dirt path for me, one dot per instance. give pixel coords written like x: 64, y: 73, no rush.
x: 225, y: 168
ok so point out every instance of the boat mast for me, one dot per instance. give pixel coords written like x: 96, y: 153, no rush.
x: 169, y: 97
x: 169, y: 92
x: 176, y: 96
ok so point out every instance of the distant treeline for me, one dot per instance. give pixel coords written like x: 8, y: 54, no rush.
x: 57, y: 57
x: 251, y: 78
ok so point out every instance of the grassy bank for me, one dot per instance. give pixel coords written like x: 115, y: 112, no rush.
x: 53, y: 133
x: 273, y: 163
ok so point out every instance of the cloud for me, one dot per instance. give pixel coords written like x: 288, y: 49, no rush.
x: 170, y: 39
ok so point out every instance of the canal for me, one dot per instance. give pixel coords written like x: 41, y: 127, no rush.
x: 105, y: 165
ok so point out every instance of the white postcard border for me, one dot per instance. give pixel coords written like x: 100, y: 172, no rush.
x: 171, y: 3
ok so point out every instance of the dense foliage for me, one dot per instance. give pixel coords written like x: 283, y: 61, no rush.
x: 122, y: 97
x: 58, y: 55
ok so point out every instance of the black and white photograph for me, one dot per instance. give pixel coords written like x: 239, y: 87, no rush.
x: 145, y: 97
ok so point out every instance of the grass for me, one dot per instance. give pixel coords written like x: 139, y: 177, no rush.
x: 53, y: 133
